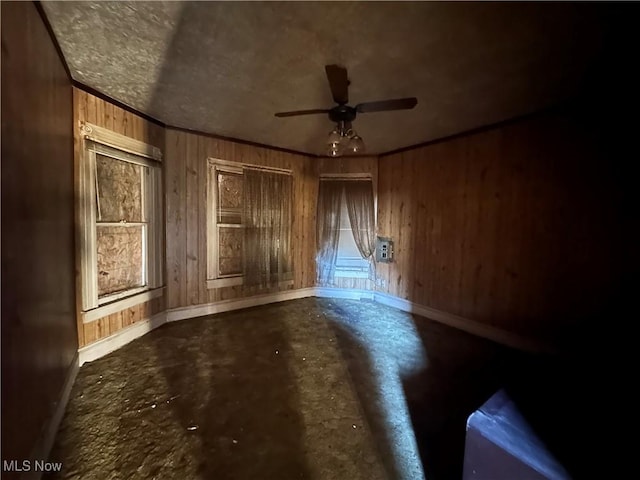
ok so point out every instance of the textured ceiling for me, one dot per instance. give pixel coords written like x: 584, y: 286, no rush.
x: 227, y: 67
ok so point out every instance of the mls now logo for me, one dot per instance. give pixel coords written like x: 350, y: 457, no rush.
x: 27, y: 466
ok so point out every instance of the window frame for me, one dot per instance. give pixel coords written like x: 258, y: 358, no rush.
x: 342, y: 272
x: 95, y: 141
x: 214, y: 280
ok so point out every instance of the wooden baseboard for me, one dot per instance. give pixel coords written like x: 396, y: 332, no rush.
x: 348, y: 293
x: 44, y: 443
x: 237, y: 304
x: 498, y: 335
x: 119, y: 305
x: 107, y: 345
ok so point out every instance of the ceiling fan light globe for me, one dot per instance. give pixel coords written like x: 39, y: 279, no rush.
x: 356, y: 144
x: 334, y: 137
x: 333, y: 152
x: 336, y: 149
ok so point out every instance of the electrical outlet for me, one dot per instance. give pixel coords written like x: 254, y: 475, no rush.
x: 384, y: 250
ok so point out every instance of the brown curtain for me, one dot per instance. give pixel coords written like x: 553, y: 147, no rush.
x: 266, y: 216
x: 328, y: 228
x: 359, y: 198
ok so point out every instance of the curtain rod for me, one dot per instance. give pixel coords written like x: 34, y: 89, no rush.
x: 229, y: 163
x: 345, y: 176
x: 281, y: 171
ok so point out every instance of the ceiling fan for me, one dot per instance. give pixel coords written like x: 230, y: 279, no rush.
x: 343, y: 137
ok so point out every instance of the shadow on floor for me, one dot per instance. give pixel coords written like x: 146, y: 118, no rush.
x: 562, y: 398
x: 573, y: 405
x: 200, y: 399
x: 311, y: 388
x: 418, y: 381
x: 463, y: 371
x: 239, y: 400
x: 258, y: 393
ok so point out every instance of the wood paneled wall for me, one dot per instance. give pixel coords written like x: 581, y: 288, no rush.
x: 186, y: 186
x: 89, y: 108
x: 514, y: 227
x: 38, y: 301
x: 111, y: 324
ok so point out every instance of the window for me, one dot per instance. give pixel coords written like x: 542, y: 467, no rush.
x: 349, y: 261
x: 225, y: 224
x: 249, y: 225
x: 345, y: 227
x: 120, y: 218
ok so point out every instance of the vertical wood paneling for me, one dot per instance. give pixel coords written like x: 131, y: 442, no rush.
x: 192, y: 224
x: 383, y: 218
x: 405, y: 238
x: 104, y: 114
x: 89, y: 108
x: 506, y: 227
x: 186, y: 168
x: 297, y: 234
x: 306, y: 228
x: 420, y: 278
x: 175, y: 187
x: 111, y: 324
x: 202, y: 172
x: 39, y: 340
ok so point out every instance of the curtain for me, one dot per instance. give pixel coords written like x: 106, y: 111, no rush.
x: 328, y: 228
x: 267, y: 219
x: 359, y: 198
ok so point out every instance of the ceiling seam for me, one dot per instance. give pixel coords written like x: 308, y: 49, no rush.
x: 465, y: 133
x: 124, y: 106
x: 485, y: 128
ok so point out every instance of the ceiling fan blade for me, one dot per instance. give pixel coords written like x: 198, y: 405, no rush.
x: 338, y: 82
x: 384, y: 105
x: 302, y: 112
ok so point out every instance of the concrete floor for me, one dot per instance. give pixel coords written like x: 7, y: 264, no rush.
x: 311, y: 388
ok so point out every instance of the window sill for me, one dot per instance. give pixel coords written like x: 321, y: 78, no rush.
x: 350, y: 274
x: 224, y: 282
x: 119, y: 305
x: 236, y: 281
x: 121, y: 295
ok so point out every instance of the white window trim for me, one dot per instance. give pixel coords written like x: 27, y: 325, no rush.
x: 213, y: 166
x: 104, y: 136
x: 94, y: 139
x: 213, y: 279
x: 115, y: 307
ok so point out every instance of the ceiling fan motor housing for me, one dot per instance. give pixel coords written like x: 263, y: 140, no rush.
x: 342, y: 113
